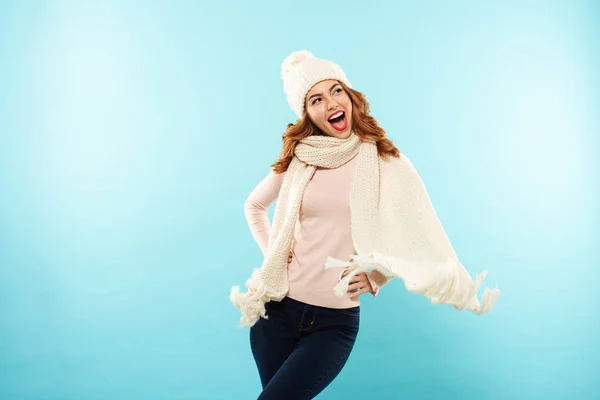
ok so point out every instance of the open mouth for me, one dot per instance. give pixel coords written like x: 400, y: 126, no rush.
x: 338, y: 121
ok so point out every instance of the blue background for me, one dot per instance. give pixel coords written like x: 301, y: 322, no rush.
x: 131, y: 134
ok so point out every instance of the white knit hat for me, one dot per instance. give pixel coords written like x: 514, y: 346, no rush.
x: 300, y: 71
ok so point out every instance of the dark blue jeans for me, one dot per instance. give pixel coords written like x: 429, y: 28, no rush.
x: 301, y: 348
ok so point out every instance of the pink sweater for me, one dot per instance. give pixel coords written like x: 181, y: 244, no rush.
x: 322, y: 230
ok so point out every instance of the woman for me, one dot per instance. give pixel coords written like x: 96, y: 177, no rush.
x: 351, y: 214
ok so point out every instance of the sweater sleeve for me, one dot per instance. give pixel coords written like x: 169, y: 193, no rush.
x: 257, y: 205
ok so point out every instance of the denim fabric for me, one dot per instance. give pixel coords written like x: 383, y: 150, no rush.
x: 301, y: 348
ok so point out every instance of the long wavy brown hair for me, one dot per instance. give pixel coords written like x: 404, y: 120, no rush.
x: 363, y: 124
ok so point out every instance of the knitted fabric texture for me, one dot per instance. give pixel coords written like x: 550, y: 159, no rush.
x: 301, y: 70
x: 395, y: 230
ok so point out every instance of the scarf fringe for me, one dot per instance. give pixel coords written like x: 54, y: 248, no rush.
x: 252, y: 303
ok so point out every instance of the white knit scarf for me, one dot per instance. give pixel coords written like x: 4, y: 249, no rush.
x: 395, y: 230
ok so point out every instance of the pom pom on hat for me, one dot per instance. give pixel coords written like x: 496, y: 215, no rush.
x: 293, y: 60
x: 300, y: 71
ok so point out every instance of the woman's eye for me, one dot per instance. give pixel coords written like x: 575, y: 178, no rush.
x: 338, y: 90
x: 315, y: 101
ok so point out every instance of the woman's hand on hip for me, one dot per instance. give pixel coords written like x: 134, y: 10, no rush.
x: 359, y: 284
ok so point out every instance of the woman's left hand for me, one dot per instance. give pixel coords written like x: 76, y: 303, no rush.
x: 359, y: 281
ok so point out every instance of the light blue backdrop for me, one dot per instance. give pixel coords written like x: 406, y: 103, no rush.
x: 132, y: 132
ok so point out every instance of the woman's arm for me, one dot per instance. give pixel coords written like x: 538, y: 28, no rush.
x: 257, y: 205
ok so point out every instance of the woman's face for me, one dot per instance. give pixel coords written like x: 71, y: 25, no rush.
x: 330, y: 109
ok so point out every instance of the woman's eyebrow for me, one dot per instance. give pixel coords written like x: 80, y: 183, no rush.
x: 321, y: 94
